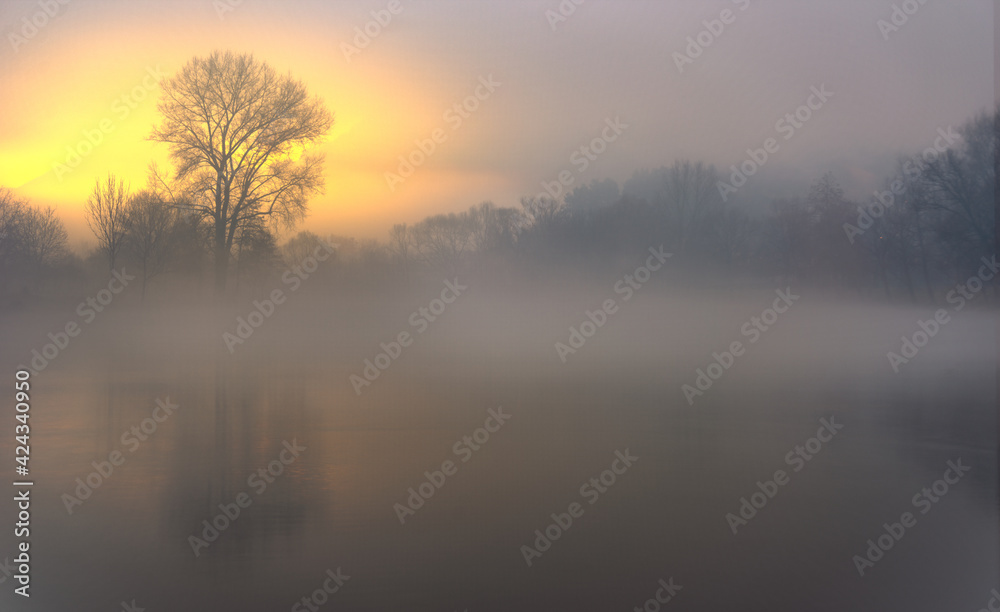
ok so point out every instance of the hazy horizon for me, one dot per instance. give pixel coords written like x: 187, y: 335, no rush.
x: 557, y: 88
x: 499, y: 306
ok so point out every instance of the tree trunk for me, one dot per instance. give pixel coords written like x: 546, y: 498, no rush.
x: 924, y: 269
x: 885, y: 281
x: 142, y: 295
x: 221, y: 259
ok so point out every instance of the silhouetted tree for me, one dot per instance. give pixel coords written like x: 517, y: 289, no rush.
x: 401, y: 245
x: 107, y: 216
x: 12, y: 219
x: 152, y: 225
x: 32, y: 241
x: 257, y: 253
x: 237, y: 132
x: 594, y: 195
x: 961, y: 182
x: 441, y: 241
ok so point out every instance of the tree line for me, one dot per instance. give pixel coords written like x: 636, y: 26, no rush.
x: 240, y: 137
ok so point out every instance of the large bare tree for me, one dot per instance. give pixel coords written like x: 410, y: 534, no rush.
x: 107, y: 215
x: 238, y: 134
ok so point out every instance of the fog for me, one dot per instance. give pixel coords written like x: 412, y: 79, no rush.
x: 824, y: 358
x: 601, y: 353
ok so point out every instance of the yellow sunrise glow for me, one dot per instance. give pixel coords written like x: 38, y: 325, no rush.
x: 83, y: 85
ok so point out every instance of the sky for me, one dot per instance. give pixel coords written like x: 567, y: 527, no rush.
x: 80, y: 91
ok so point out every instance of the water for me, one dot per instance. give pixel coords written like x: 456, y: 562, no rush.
x: 664, y: 517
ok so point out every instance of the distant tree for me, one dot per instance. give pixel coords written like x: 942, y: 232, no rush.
x: 43, y: 238
x: 257, y: 253
x: 690, y: 198
x: 237, y: 132
x: 32, y: 240
x: 829, y: 256
x: 684, y: 197
x: 152, y: 225
x: 401, y: 245
x: 541, y: 210
x: 786, y: 238
x: 12, y: 219
x: 594, y: 195
x: 299, y: 247
x: 106, y: 212
x: 442, y: 240
x: 734, y: 236
x: 493, y: 227
x: 961, y: 182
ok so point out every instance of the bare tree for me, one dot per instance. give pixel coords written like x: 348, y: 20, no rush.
x: 690, y: 199
x: 829, y: 256
x: 299, y: 247
x: 400, y: 243
x: 442, y: 240
x: 493, y: 227
x: 541, y: 211
x: 107, y: 216
x: 961, y: 182
x: 735, y: 231
x: 12, y: 218
x: 683, y: 198
x: 44, y: 237
x: 237, y: 132
x: 257, y: 253
x: 151, y: 223
x: 31, y: 240
x: 596, y: 194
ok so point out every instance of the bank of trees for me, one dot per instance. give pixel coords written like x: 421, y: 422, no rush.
x: 32, y: 245
x: 241, y: 179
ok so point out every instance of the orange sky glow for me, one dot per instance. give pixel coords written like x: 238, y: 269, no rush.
x: 86, y: 76
x: 93, y: 96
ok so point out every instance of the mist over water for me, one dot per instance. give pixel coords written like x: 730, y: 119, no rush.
x: 333, y: 506
x: 499, y: 306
